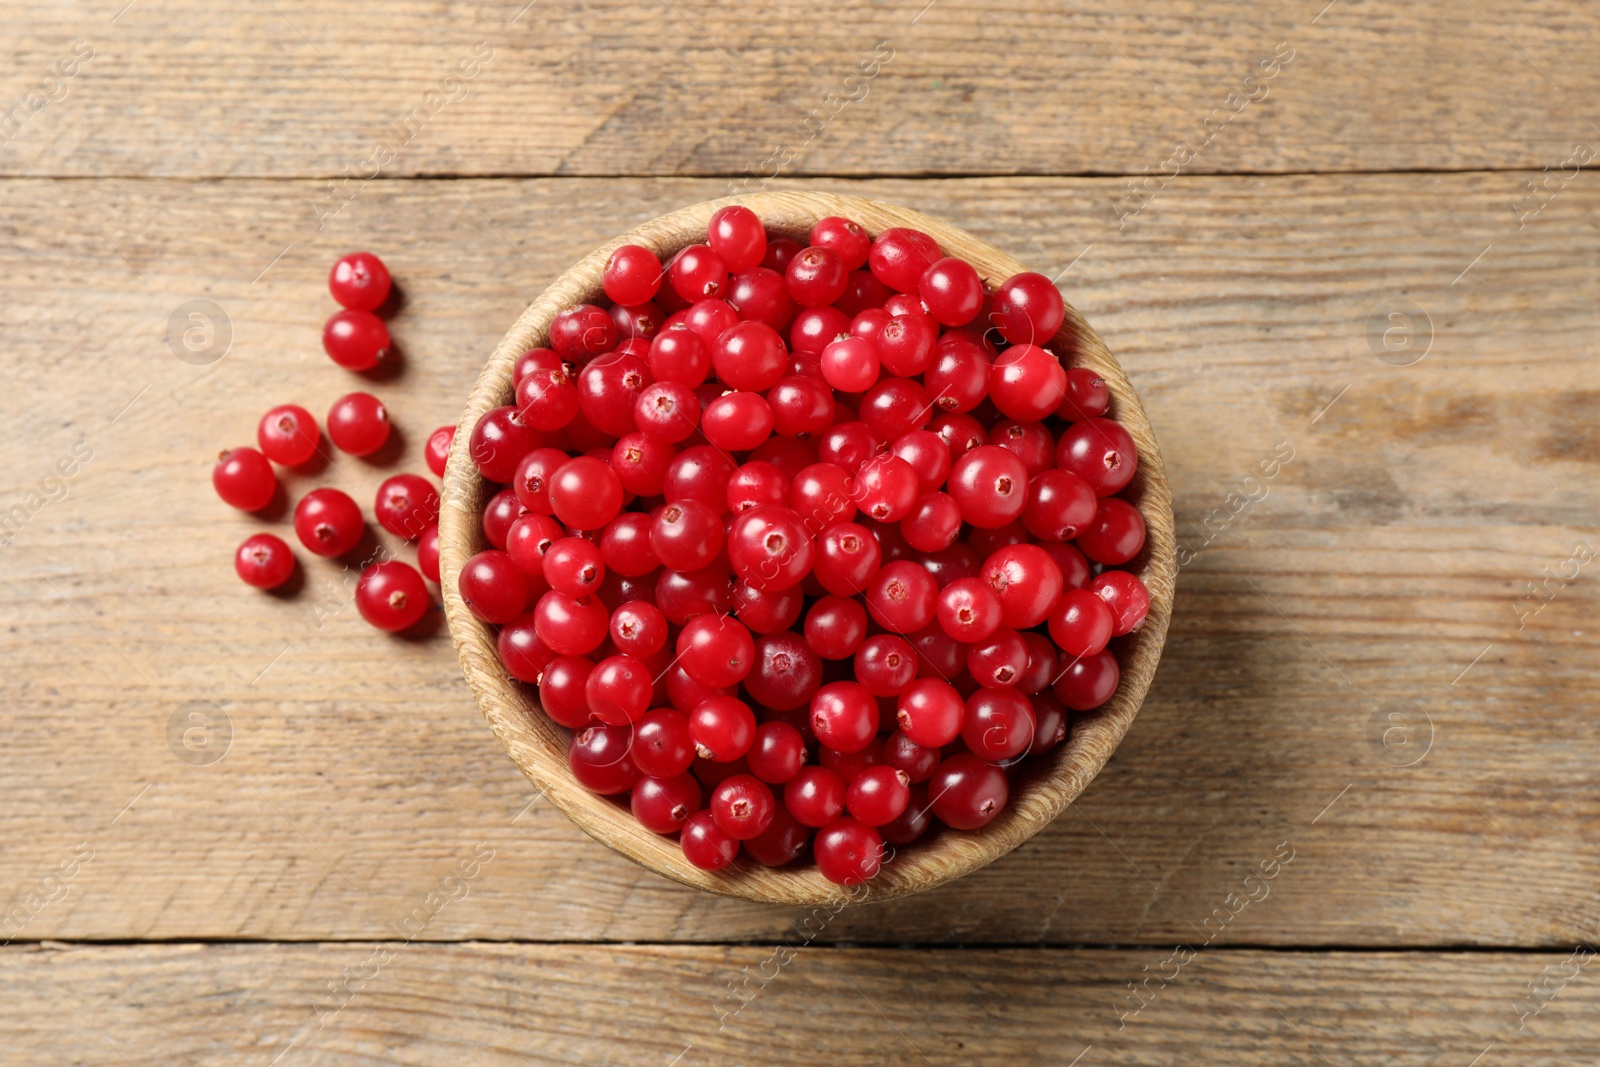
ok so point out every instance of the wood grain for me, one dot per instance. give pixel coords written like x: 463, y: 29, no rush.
x: 298, y: 89
x: 1386, y: 564
x: 362, y: 1003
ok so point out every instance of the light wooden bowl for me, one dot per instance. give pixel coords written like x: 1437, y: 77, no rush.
x: 539, y: 746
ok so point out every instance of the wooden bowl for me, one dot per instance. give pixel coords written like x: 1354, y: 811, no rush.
x: 539, y: 746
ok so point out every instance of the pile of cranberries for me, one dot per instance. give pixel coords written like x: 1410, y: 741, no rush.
x: 389, y: 594
x: 808, y: 546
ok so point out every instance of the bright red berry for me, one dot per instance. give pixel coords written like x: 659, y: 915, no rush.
x: 391, y: 596
x: 244, y: 479
x: 263, y: 561
x: 356, y: 340
x: 328, y: 522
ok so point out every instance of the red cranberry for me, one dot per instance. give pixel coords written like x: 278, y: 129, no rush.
x: 1100, y: 452
x: 356, y: 340
x: 886, y: 665
x: 499, y: 441
x: 582, y: 331
x: 1026, y: 580
x: 750, y: 356
x: 407, y: 504
x: 1081, y: 623
x: 990, y: 485
x: 244, y: 479
x: 705, y: 844
x: 786, y: 674
x: 585, y: 493
x: 899, y: 257
x: 437, y: 449
x: 1028, y: 309
x: 930, y: 712
x: 848, y: 852
x: 328, y: 522
x: 735, y: 233
x: 743, y: 806
x: 1088, y: 682
x: 968, y: 793
x: 1116, y: 533
x: 263, y: 561
x: 952, y: 291
x: 1087, y: 396
x: 359, y: 280
x: 358, y: 424
x: 598, y: 757
x: 1126, y: 596
x: 902, y: 597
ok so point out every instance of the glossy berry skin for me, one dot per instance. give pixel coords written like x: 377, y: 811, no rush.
x: 749, y: 356
x: 356, y: 340
x: 967, y: 793
x: 1027, y: 383
x: 850, y: 364
x: 915, y: 821
x: 391, y: 595
x: 244, y: 479
x: 1088, y: 682
x: 902, y: 597
x: 571, y: 626
x: 817, y: 276
x: 582, y: 331
x: 697, y: 273
x: 1074, y: 565
x: 999, y: 725
x: 608, y: 391
x: 836, y: 626
x: 547, y: 399
x: 878, y: 795
x: 737, y: 422
x: 437, y: 449
x: 886, y: 665
x: 848, y: 851
x: 782, y: 842
x: 905, y: 755
x: 801, y: 406
x: 1039, y: 663
x: 969, y: 611
x: 686, y: 535
x: 263, y: 561
x: 845, y: 237
x: 850, y: 446
x: 928, y: 456
x: 618, y: 689
x: 990, y: 485
x: 1087, y: 396
x: 1028, y: 309
x: 930, y: 712
x: 699, y: 473
x: 815, y: 328
x: 770, y: 548
x: 1028, y: 441
x: 499, y: 515
x: 1060, y: 505
x: 663, y: 805
x: 736, y: 235
x: 886, y: 489
x: 777, y: 753
x: 632, y: 275
x: 1081, y: 624
x: 958, y: 377
x: 358, y: 424
x: 563, y: 689
x: 359, y: 280
x: 1026, y: 580
x: 721, y: 728
x: 585, y: 493
x: 638, y: 628
x: 500, y: 439
x: 787, y: 672
x: 521, y: 652
x: 640, y: 464
x: 844, y: 716
x: 999, y: 661
x: 407, y: 504
x: 951, y: 291
x: 895, y: 407
x: 933, y: 524
x: 814, y: 796
x: 527, y: 540
x: 960, y: 433
x: 662, y: 746
x: 743, y: 806
x: 900, y: 256
x: 574, y: 566
x: 681, y: 595
x: 715, y: 650
x: 1116, y: 535
x: 705, y: 844
x: 288, y: 434
x: 710, y: 318
x: 494, y: 589
x: 1100, y: 452
x: 667, y: 411
x: 1050, y: 724
x: 849, y: 764
x: 1126, y: 596
x: 328, y: 522
x: 598, y: 757
x: 681, y: 356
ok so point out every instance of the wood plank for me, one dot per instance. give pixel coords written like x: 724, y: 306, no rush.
x: 647, y: 1004
x: 1386, y: 565
x: 605, y: 87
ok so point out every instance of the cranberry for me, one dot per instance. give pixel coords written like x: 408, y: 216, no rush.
x: 836, y: 626
x: 886, y: 489
x: 878, y: 795
x: 1081, y: 623
x: 933, y: 524
x: 735, y: 234
x: 1027, y: 383
x: 705, y: 844
x: 915, y: 761
x: 767, y: 611
x: 681, y: 356
x: 663, y: 805
x: 532, y: 479
x: 499, y: 515
x: 608, y: 391
x: 1100, y: 452
x: 1050, y: 724
x: 574, y: 566
x: 582, y: 331
x: 536, y: 359
x: 499, y: 441
x: 288, y: 434
x: 999, y: 725
x: 760, y: 295
x: 817, y: 276
x: 913, y: 822
x: 598, y: 757
x: 1087, y: 396
x: 968, y: 610
x: 356, y: 340
x: 710, y: 318
x: 754, y: 484
x: 523, y: 655
x: 801, y: 406
x: 930, y: 712
x: 407, y: 505
x: 782, y: 842
x: 715, y: 650
x: 780, y: 250
x: 769, y: 547
x: 662, y: 744
x: 958, y: 378
x: 698, y: 273
x: 571, y: 626
x: 391, y: 596
x: 681, y: 595
x: 1115, y: 535
x: 990, y: 485
x: 1028, y: 309
x: 849, y: 764
x: 547, y: 399
x: 815, y: 328
x: 776, y: 754
x: 686, y: 535
x: 886, y: 665
x: 1000, y: 660
x: 928, y: 455
x: 951, y: 291
x: 1088, y: 682
x: 263, y: 561
x: 632, y: 275
x: 864, y: 292
x: 359, y: 280
x: 640, y: 464
x: 960, y: 433
x: 750, y: 356
x: 902, y: 597
x: 1126, y: 596
x: 638, y: 628
x: 496, y: 591
x: 1026, y: 580
x: 848, y: 239
x: 905, y: 344
x: 850, y: 364
x: 814, y: 796
x: 585, y: 493
x: 737, y: 422
x: 848, y: 851
x: 1028, y: 441
x: 328, y: 522
x: 244, y: 479
x: 967, y: 793
x: 851, y: 445
x: 743, y: 806
x: 789, y: 455
x: 437, y: 449
x: 844, y: 716
x: 899, y: 257
x: 1060, y: 505
x: 786, y: 674
x: 563, y: 689
x: 1075, y: 572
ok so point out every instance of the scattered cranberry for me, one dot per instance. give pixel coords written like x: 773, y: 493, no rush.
x: 407, y: 505
x: 360, y: 281
x: 264, y: 561
x: 328, y: 522
x: 288, y: 435
x: 391, y: 596
x: 356, y: 340
x: 358, y: 424
x: 244, y: 479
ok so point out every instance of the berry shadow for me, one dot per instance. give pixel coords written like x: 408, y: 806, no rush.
x: 394, y: 303
x: 277, y: 507
x: 424, y: 629
x: 320, y: 460
x: 292, y: 586
x: 390, y: 453
x: 391, y: 367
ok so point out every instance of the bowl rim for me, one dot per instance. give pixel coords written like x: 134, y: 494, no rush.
x: 531, y: 739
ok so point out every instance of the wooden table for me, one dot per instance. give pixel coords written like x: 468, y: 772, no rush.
x: 245, y: 829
